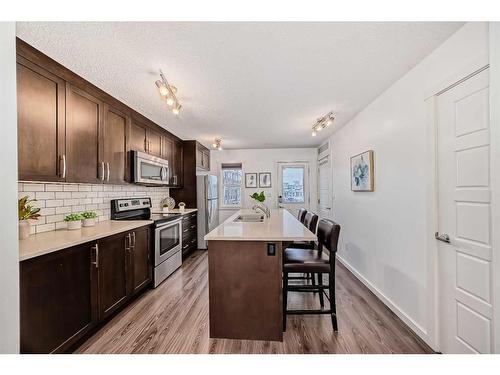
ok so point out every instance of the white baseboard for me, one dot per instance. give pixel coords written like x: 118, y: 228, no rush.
x: 415, y: 327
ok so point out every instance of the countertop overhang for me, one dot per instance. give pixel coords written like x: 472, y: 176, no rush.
x: 281, y: 226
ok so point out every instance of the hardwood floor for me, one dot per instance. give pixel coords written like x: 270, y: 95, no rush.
x: 174, y: 319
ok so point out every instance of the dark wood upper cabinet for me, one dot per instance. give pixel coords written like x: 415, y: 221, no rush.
x: 114, y: 145
x: 137, y: 140
x: 70, y: 130
x: 153, y: 142
x: 202, y: 157
x: 140, y: 259
x: 112, y: 262
x: 58, y: 299
x: 84, y: 115
x: 41, y: 101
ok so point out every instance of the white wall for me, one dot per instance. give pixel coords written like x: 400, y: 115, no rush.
x: 384, y: 233
x: 265, y: 160
x: 9, y: 252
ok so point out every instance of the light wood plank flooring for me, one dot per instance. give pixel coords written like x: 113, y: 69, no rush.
x: 174, y: 319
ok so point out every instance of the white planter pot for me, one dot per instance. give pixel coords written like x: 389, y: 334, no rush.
x: 182, y: 209
x: 165, y: 210
x: 89, y: 222
x: 24, y: 229
x: 72, y: 225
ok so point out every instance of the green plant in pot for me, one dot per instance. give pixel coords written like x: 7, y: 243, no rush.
x: 26, y: 212
x: 74, y: 221
x: 89, y: 218
x: 258, y: 197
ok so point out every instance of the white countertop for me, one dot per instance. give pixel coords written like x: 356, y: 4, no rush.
x: 48, y: 242
x: 281, y: 226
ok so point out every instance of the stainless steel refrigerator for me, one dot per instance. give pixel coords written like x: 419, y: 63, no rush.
x: 208, y: 206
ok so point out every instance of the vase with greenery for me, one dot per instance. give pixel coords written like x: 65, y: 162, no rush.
x: 260, y: 198
x: 26, y: 212
x: 74, y: 221
x: 89, y: 218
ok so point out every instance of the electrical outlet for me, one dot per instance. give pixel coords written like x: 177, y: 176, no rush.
x: 271, y: 249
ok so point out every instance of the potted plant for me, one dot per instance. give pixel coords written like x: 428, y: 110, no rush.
x: 89, y: 218
x: 258, y: 197
x: 26, y: 213
x: 74, y: 221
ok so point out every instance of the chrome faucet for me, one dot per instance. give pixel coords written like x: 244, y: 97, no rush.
x: 262, y: 207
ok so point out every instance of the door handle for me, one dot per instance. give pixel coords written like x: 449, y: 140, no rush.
x: 442, y: 237
x: 96, y: 249
x: 63, y: 159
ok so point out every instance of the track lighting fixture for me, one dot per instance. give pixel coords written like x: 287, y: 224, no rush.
x: 217, y: 144
x: 322, y: 122
x: 168, y: 92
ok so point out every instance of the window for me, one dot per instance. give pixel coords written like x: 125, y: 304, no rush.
x: 231, y: 184
x: 293, y: 185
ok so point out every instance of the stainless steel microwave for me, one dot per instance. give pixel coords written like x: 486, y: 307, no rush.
x: 148, y: 169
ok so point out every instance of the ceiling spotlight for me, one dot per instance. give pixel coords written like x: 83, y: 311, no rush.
x: 322, y: 123
x: 168, y: 91
x: 217, y: 144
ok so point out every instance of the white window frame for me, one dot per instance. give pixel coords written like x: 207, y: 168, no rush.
x: 222, y: 203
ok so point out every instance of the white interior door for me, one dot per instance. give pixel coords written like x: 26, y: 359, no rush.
x: 325, y: 188
x: 293, y: 186
x: 464, y: 263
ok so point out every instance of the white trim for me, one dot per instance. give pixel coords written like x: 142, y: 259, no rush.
x: 494, y: 34
x: 414, y: 326
x: 468, y: 69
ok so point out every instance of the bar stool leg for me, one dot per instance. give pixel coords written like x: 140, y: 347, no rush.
x: 320, y: 291
x: 285, y: 298
x: 333, y: 308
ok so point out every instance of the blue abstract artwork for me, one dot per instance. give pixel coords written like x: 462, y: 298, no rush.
x: 362, y: 172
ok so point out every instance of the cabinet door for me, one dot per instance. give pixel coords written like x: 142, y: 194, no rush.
x: 41, y: 123
x: 137, y: 139
x: 84, y: 121
x: 206, y: 160
x: 141, y: 265
x: 176, y: 176
x: 58, y: 299
x: 199, y: 158
x: 167, y: 149
x: 114, y: 145
x: 153, y: 142
x: 112, y: 268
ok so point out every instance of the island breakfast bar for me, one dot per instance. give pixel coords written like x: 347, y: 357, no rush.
x: 245, y: 274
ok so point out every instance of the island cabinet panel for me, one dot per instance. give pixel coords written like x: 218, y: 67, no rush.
x: 245, y: 290
x: 140, y: 259
x: 114, y: 145
x: 41, y: 102
x: 58, y: 299
x: 113, y: 254
x: 84, y: 121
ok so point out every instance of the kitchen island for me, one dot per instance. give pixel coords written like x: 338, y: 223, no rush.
x: 244, y: 265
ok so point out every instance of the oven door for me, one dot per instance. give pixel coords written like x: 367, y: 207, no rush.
x: 168, y: 240
x: 150, y: 169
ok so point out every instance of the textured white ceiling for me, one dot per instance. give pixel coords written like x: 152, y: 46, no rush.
x: 255, y: 85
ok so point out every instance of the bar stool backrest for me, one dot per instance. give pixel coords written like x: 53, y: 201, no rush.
x: 302, y: 215
x: 311, y: 221
x: 328, y: 236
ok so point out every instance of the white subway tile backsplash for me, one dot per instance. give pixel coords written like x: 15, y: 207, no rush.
x: 56, y: 200
x: 34, y: 187
x: 53, y: 187
x: 44, y: 195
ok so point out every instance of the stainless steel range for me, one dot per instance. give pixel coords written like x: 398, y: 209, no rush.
x: 167, y: 239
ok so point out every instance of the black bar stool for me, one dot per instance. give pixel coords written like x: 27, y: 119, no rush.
x: 302, y: 215
x: 297, y: 260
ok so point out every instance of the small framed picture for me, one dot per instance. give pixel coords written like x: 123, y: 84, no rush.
x: 362, y: 172
x: 250, y: 180
x: 265, y: 180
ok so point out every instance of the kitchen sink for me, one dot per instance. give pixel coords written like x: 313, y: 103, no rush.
x: 250, y: 218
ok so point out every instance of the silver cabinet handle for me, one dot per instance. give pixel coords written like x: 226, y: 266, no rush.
x: 96, y: 249
x: 63, y: 158
x: 442, y: 237
x: 103, y: 171
x: 128, y: 243
x: 107, y: 171
x: 133, y: 240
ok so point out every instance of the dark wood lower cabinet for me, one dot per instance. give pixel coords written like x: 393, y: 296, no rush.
x: 58, y: 299
x: 68, y: 293
x: 112, y: 259
x: 189, y: 233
